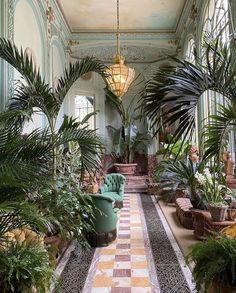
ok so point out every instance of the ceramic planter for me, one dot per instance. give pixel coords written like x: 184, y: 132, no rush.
x: 125, y: 169
x: 218, y: 213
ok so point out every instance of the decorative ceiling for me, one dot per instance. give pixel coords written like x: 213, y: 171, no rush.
x: 135, y: 15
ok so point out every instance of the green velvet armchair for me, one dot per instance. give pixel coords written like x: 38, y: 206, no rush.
x: 113, y: 187
x: 105, y: 221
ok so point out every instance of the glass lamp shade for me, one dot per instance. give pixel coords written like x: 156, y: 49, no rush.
x: 119, y: 76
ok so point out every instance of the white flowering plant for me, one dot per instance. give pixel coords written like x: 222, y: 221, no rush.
x: 212, y: 191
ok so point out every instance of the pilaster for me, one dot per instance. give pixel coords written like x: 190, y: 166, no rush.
x: 6, y: 31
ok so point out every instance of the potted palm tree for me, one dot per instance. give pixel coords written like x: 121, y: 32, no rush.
x: 32, y: 189
x: 127, y: 138
x: 33, y: 92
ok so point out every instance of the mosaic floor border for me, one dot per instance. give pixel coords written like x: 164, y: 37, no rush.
x: 169, y: 271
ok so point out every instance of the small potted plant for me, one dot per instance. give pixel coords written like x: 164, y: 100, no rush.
x: 213, y: 194
x: 214, y: 265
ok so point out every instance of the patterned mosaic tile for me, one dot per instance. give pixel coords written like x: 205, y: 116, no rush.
x: 123, y: 265
x: 173, y: 276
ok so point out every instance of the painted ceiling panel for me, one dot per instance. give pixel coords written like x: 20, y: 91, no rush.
x: 135, y: 15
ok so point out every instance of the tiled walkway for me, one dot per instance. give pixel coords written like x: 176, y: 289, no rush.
x: 144, y: 258
x: 125, y: 266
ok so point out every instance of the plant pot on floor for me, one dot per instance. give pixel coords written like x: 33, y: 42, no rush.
x: 218, y: 213
x: 125, y: 169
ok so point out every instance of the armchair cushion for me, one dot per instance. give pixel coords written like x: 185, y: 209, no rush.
x: 112, y: 195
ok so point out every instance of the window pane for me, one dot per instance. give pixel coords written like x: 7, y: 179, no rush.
x: 84, y: 105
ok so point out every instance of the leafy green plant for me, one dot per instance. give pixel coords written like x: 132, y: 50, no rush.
x: 214, y: 261
x: 212, y: 190
x: 178, y: 149
x: 70, y: 214
x: 22, y: 157
x: 22, y: 267
x: 126, y: 139
x: 177, y: 176
x: 31, y: 164
x: 32, y: 92
x: 183, y: 84
x: 69, y: 211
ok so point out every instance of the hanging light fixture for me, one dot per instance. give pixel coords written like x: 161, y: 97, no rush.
x: 119, y: 76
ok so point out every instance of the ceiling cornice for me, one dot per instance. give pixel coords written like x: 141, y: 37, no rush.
x: 58, y: 11
x: 135, y: 36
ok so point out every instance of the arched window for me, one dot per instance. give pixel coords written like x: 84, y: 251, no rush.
x: 189, y: 54
x: 84, y: 105
x: 190, y: 57
x: 217, y: 19
x: 216, y: 25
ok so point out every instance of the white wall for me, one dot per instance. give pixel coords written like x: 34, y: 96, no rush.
x: 28, y: 35
x: 57, y: 66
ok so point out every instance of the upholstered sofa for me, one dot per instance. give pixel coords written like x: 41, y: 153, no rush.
x: 105, y: 221
x: 113, y: 187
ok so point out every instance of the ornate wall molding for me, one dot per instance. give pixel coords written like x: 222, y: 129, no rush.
x: 124, y: 36
x: 132, y: 53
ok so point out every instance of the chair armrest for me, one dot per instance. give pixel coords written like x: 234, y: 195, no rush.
x: 121, y: 191
x: 100, y: 196
x: 103, y: 188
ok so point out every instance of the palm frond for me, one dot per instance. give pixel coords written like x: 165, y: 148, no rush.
x: 15, y: 215
x: 216, y: 132
x: 75, y: 71
x: 174, y: 92
x: 23, y: 157
x: 89, y: 143
x: 33, y: 91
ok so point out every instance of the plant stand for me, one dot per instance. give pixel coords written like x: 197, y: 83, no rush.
x: 204, y: 225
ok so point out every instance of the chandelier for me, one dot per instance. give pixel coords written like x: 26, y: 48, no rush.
x: 119, y: 76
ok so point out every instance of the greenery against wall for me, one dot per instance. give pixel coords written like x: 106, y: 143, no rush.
x: 36, y: 190
x: 182, y: 86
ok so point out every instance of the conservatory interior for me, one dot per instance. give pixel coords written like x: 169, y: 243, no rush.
x: 117, y: 146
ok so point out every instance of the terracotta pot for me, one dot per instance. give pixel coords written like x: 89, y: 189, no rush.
x: 125, y: 169
x: 218, y: 213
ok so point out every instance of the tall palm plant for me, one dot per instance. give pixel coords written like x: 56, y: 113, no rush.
x: 182, y: 85
x: 28, y: 161
x: 33, y: 92
x: 126, y: 138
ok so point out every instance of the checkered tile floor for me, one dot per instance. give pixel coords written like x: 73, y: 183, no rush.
x: 122, y: 266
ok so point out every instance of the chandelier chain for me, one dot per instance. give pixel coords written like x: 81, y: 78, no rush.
x: 118, y: 29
